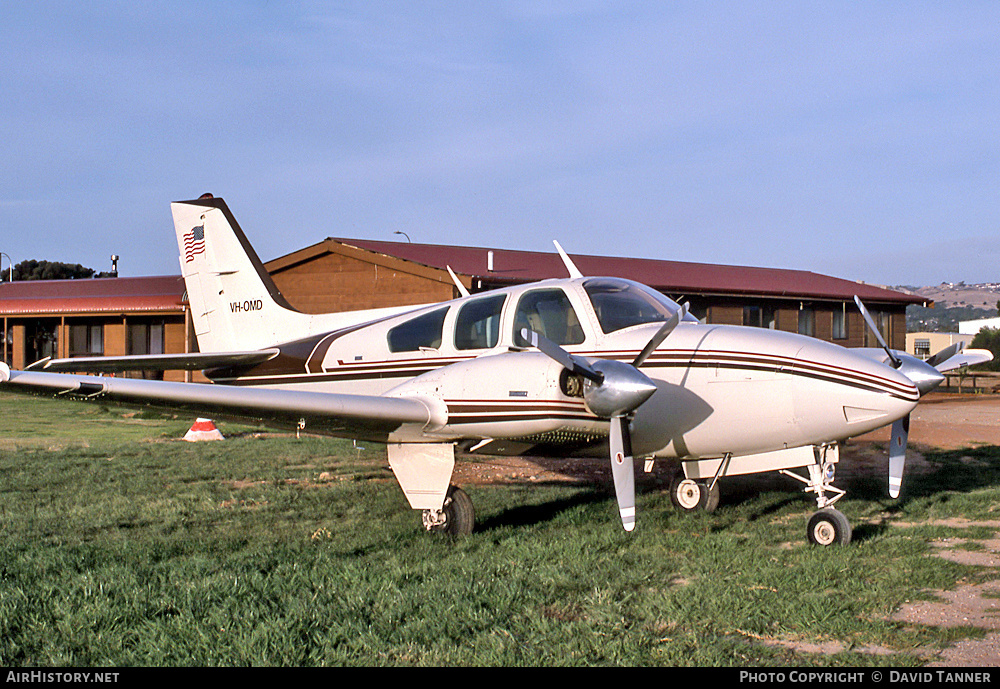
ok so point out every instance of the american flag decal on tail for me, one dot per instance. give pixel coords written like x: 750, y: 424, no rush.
x: 194, y: 243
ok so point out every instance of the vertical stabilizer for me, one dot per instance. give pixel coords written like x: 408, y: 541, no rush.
x: 235, y: 305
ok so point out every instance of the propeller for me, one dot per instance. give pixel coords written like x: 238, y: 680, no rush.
x: 896, y: 361
x: 926, y: 375
x: 897, y: 454
x: 945, y: 354
x: 613, y: 390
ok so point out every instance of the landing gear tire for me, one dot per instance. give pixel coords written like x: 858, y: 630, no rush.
x: 457, y: 517
x: 692, y: 496
x: 829, y: 527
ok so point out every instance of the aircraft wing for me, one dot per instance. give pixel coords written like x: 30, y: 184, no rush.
x: 966, y: 357
x: 154, y: 362
x: 365, y: 417
x: 946, y: 360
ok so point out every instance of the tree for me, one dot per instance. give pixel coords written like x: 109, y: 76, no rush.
x: 988, y: 338
x: 50, y: 270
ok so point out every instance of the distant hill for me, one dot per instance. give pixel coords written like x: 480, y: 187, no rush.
x: 953, y: 302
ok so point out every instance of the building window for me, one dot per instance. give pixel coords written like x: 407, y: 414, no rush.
x: 86, y: 340
x: 145, y: 338
x: 8, y: 343
x: 922, y: 348
x: 840, y: 323
x: 41, y: 339
x: 760, y: 317
x: 807, y: 322
x: 883, y: 321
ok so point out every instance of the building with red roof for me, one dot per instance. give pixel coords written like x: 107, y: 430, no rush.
x: 93, y: 317
x: 343, y: 274
x: 137, y: 315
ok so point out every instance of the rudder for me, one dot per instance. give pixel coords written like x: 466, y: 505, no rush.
x: 235, y: 304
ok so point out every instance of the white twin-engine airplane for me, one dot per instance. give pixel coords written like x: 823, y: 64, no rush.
x: 584, y: 362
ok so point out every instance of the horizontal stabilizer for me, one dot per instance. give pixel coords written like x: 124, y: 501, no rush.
x: 195, y: 361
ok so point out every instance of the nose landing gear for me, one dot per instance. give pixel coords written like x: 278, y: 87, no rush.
x: 827, y: 526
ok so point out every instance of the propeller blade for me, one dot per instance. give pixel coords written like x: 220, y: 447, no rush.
x: 553, y: 351
x: 897, y: 454
x: 878, y: 336
x: 660, y: 335
x: 945, y: 354
x: 622, y: 470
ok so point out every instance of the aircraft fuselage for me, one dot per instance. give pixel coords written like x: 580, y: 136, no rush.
x: 720, y: 389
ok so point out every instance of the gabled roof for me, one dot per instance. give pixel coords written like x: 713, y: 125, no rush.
x: 156, y: 294
x: 672, y: 277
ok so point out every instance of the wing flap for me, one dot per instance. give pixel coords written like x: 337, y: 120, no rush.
x: 366, y: 417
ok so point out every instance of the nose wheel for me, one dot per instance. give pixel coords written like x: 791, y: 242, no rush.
x: 829, y: 527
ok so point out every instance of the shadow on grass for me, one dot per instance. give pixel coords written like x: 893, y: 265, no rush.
x: 951, y: 471
x: 531, y: 515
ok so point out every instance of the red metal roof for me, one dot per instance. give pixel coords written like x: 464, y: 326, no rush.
x: 674, y: 277
x: 92, y: 295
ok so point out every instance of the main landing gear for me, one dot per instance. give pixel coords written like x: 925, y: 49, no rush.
x: 456, y: 517
x: 689, y: 495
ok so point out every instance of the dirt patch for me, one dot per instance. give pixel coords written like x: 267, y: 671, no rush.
x: 952, y: 421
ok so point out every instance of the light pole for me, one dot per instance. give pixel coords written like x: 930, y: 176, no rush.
x: 11, y: 261
x: 404, y: 234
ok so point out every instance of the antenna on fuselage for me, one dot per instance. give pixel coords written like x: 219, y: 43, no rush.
x: 458, y: 283
x: 574, y: 272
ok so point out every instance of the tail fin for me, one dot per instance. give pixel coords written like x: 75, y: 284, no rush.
x: 235, y: 304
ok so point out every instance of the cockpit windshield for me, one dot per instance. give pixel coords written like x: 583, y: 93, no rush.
x: 623, y: 303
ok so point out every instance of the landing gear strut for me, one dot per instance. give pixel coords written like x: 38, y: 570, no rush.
x: 827, y: 526
x: 456, y: 517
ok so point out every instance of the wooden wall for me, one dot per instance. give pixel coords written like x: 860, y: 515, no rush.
x: 331, y: 282
x: 728, y: 312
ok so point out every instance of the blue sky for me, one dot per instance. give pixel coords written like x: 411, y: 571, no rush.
x: 856, y: 139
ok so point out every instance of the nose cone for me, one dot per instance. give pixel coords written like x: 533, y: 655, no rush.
x: 623, y: 390
x: 922, y: 374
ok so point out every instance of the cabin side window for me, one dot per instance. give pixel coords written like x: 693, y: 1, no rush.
x: 422, y: 332
x: 478, y: 323
x: 548, y: 313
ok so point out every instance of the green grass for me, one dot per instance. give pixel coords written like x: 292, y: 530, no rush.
x: 123, y: 546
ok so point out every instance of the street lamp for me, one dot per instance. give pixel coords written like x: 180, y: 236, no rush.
x: 403, y: 233
x: 2, y: 254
